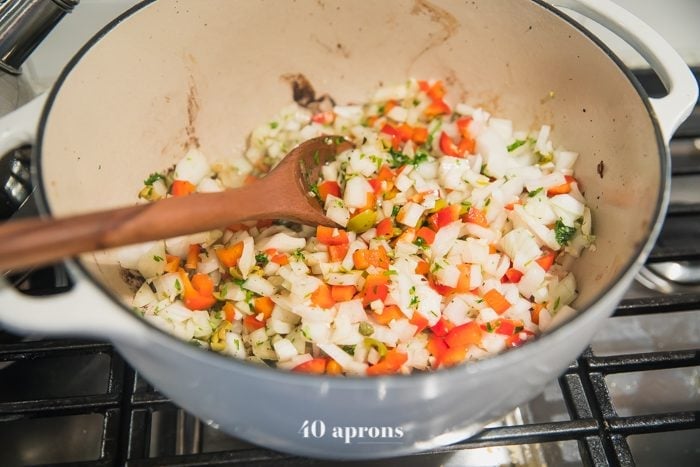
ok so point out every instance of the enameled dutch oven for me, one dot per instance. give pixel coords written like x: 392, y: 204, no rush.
x: 169, y: 73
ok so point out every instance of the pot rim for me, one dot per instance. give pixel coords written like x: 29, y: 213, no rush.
x: 491, y: 363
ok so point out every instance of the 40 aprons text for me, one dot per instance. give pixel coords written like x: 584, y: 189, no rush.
x: 317, y: 429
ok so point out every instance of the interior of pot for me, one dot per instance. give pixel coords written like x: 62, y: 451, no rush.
x: 207, y: 72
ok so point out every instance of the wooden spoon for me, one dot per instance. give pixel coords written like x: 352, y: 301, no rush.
x: 281, y: 194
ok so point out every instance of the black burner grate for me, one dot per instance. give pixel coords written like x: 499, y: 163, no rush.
x: 129, y: 423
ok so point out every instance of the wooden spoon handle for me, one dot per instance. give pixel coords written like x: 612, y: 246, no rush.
x: 34, y: 242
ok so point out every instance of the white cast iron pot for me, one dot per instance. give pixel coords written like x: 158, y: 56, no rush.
x: 130, y: 101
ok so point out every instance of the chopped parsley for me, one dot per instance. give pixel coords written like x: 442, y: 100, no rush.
x: 398, y: 158
x: 563, y: 233
x: 299, y: 255
x: 490, y: 327
x: 274, y: 125
x: 348, y: 349
x: 534, y: 193
x: 390, y: 272
x: 261, y: 259
x: 238, y: 282
x: 556, y: 303
x: 317, y: 158
x: 154, y: 177
x: 157, y: 258
x: 420, y: 242
x: 178, y: 286
x: 395, y: 210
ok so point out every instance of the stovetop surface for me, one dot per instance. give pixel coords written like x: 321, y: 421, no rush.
x: 633, y: 397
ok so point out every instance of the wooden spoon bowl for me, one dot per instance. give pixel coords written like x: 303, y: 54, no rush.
x: 284, y: 193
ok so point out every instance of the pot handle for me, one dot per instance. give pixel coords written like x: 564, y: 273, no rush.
x: 19, y: 127
x: 83, y: 310
x: 672, y: 109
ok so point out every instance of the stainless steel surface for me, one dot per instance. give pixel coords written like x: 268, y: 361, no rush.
x: 24, y: 24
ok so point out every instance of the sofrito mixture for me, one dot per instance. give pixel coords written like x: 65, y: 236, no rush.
x: 455, y: 231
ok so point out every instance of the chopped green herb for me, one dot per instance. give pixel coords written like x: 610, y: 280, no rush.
x: 249, y: 295
x: 395, y: 210
x: 317, y: 158
x: 516, y: 144
x: 543, y: 158
x: 518, y: 329
x: 299, y: 255
x: 420, y: 242
x: 534, y: 193
x: 390, y: 272
x: 261, y: 259
x: 490, y: 327
x: 419, y: 158
x: 397, y: 158
x: 157, y: 258
x: 487, y: 202
x: 556, y: 303
x: 563, y: 233
x: 178, y: 286
x: 153, y: 178
x: 348, y: 349
x: 314, y: 190
x: 436, y: 267
x: 239, y: 282
x: 274, y: 125
x: 414, y: 302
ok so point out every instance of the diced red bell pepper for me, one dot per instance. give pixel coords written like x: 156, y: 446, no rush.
x: 251, y: 323
x: 447, y: 215
x: 182, y: 188
x: 385, y: 228
x: 476, y: 216
x: 322, y: 296
x: 420, y: 135
x: 331, y: 236
x: 376, y: 288
x: 447, y: 146
x: 442, y: 327
x: 198, y: 293
x: 436, y: 346
x: 437, y: 90
x: 443, y: 290
x: 437, y: 107
x: 391, y: 363
x: 453, y: 356
x: 463, y: 126
x: 338, y: 252
x: 464, y: 335
x: 513, y: 275
x: 315, y: 366
x: 329, y: 187
x: 418, y: 320
x: 422, y: 268
x: 426, y: 234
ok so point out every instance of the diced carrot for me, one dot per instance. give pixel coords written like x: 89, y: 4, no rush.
x: 437, y: 107
x: 391, y: 363
x: 418, y: 320
x: 535, y: 313
x: 442, y: 289
x: 331, y: 236
x: 376, y: 288
x: 385, y: 228
x: 182, y: 188
x: 447, y: 215
x: 376, y: 185
x: 389, y: 313
x: 229, y: 256
x: 322, y: 296
x: 453, y: 356
x: 422, y: 267
x: 405, y: 131
x: 264, y: 305
x: 172, y: 263
x: 464, y: 335
x: 546, y: 260
x: 420, y: 135
x: 329, y: 187
x: 442, y: 327
x: 428, y: 235
x: 333, y: 368
x: 513, y: 275
x: 229, y: 311
x: 192, y: 256
x: 251, y: 323
x: 463, y: 283
x: 315, y: 366
x: 378, y: 257
x: 338, y: 252
x: 198, y: 293
x: 343, y: 293
x: 476, y: 216
x: 497, y: 301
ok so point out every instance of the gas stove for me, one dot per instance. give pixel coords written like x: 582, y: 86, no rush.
x: 632, y: 398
